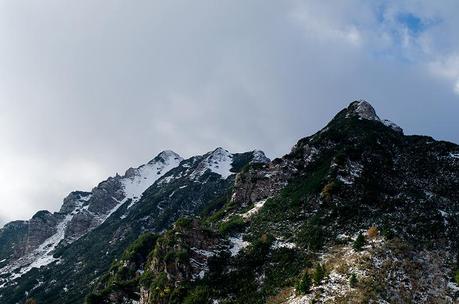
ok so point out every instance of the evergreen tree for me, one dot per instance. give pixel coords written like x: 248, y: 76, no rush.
x: 304, y: 284
x: 359, y: 242
x: 319, y: 274
x: 353, y: 280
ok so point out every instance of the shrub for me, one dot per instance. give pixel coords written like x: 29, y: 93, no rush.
x: 353, y: 280
x: 387, y: 233
x: 304, y: 284
x: 183, y: 223
x: 199, y: 295
x: 311, y: 235
x: 327, y: 190
x: 234, y: 224
x: 359, y: 242
x: 372, y: 232
x: 319, y: 274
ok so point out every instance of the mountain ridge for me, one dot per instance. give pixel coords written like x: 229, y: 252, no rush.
x: 85, y: 212
x: 301, y: 215
x: 242, y: 229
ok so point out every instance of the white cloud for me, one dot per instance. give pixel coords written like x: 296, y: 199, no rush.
x: 447, y: 68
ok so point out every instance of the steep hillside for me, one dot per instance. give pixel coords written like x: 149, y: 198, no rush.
x: 54, y: 258
x: 357, y: 213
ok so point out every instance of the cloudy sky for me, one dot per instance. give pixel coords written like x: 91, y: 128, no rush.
x: 89, y: 88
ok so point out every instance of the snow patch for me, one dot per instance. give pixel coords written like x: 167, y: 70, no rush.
x: 237, y: 244
x: 257, y: 206
x: 453, y: 286
x: 281, y: 244
x: 203, y: 252
x: 391, y: 125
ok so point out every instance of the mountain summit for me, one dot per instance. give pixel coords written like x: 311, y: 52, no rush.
x: 364, y: 110
x: 356, y: 213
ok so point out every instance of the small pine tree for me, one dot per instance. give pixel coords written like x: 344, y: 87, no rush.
x: 304, y: 284
x: 359, y: 242
x: 319, y: 274
x: 353, y: 280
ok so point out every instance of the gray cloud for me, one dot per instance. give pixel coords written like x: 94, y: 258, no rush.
x: 90, y: 88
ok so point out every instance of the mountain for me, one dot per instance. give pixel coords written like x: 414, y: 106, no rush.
x: 56, y: 256
x: 356, y: 213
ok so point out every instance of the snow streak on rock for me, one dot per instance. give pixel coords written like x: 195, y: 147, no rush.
x: 43, y: 255
x: 257, y: 206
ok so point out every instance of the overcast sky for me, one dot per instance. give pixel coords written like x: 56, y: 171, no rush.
x: 89, y: 88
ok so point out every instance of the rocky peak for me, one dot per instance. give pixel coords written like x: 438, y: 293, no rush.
x: 362, y: 109
x: 166, y: 156
x: 259, y: 157
x: 218, y: 161
x: 219, y: 154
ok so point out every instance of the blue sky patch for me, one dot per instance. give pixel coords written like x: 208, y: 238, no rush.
x: 412, y: 22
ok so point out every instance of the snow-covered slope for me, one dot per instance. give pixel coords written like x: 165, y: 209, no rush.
x: 136, y: 181
x: 218, y: 161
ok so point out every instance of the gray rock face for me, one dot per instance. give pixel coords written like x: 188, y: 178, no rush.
x: 363, y: 110
x: 71, y: 202
x: 106, y: 196
x: 41, y: 227
x: 260, y: 183
x: 13, y: 240
x: 79, y: 225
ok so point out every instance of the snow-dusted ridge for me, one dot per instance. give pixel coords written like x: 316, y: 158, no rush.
x: 136, y: 181
x: 218, y: 161
x: 133, y: 184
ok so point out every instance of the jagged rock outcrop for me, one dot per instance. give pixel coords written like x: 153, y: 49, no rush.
x: 40, y: 227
